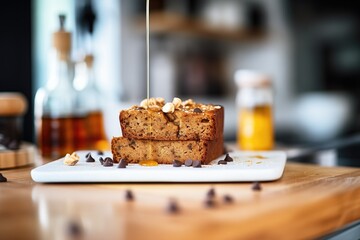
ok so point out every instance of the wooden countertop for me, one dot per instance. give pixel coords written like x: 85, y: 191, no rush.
x: 308, y: 202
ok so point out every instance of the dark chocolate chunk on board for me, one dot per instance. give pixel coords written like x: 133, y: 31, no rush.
x: 89, y: 158
x: 256, y: 186
x: 173, y: 207
x: 196, y: 164
x: 222, y: 162
x: 123, y: 163
x: 2, y: 178
x: 209, y: 202
x: 228, y: 199
x: 74, y: 229
x: 211, y: 193
x: 129, y: 196
x: 188, y: 162
x: 177, y: 163
x: 108, y: 162
x: 228, y: 158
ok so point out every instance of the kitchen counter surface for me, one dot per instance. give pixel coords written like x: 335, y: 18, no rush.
x: 308, y: 202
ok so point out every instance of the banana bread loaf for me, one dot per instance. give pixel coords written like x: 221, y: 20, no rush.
x: 164, y: 152
x: 155, y: 120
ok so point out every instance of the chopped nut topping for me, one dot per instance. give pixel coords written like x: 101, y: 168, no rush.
x: 152, y: 103
x: 160, y: 101
x: 177, y: 102
x: 168, y: 108
x: 72, y: 159
x: 144, y: 103
x: 158, y: 104
x: 188, y: 102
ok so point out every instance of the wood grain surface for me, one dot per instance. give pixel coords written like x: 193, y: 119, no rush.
x: 308, y: 202
x: 17, y: 158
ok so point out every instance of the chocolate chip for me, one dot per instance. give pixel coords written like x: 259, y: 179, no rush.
x: 256, y: 186
x: 211, y: 193
x: 173, y: 207
x: 210, y: 202
x: 197, y: 110
x: 177, y: 163
x: 222, y: 162
x: 108, y: 162
x: 196, y: 164
x: 129, y: 196
x: 100, y: 152
x: 123, y: 163
x: 188, y: 162
x: 90, y: 158
x: 73, y: 229
x: 228, y: 199
x: 228, y: 158
x: 101, y: 160
x: 2, y: 178
x: 88, y: 154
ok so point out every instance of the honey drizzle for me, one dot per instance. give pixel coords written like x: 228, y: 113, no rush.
x: 147, y: 50
x: 148, y: 162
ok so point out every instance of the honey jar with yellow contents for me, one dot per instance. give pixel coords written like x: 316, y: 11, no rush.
x: 254, y: 102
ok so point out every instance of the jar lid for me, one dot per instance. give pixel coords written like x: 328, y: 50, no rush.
x: 252, y: 79
x: 12, y: 104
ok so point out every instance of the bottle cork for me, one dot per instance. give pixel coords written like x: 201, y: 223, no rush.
x: 62, y: 39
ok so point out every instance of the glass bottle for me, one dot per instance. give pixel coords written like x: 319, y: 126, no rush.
x: 255, y: 103
x: 59, y: 128
x: 89, y: 102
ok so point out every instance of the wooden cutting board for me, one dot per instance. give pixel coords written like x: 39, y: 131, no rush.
x: 17, y: 158
x: 308, y: 202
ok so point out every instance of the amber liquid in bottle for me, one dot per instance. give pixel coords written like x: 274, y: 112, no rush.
x: 62, y: 135
x: 256, y: 128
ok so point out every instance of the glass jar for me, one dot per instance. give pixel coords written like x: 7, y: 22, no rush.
x: 254, y: 103
x: 60, y: 128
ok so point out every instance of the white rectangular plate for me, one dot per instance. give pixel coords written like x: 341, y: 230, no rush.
x: 247, y: 166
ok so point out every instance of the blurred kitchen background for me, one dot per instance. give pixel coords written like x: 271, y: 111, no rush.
x: 311, y: 50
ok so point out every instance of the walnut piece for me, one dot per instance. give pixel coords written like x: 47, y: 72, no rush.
x: 188, y: 102
x: 168, y: 108
x: 160, y: 101
x: 144, y: 103
x: 72, y: 159
x: 152, y: 103
x: 177, y: 102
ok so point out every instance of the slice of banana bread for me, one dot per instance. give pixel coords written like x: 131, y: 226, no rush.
x: 155, y: 120
x: 164, y: 152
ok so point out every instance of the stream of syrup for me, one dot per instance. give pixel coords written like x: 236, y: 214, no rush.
x: 148, y: 162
